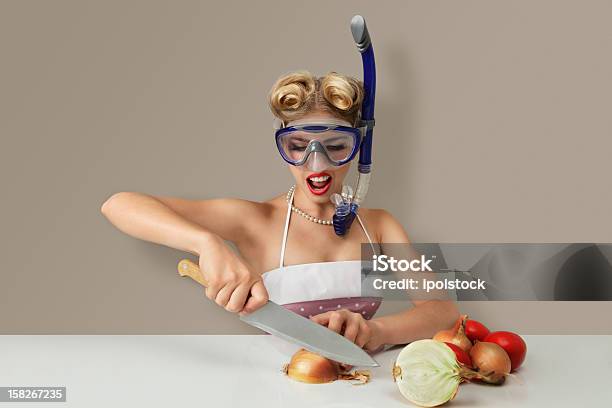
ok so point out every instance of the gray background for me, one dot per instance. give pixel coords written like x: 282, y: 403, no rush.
x: 493, y: 125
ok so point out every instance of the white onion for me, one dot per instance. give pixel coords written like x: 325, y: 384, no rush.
x: 427, y: 373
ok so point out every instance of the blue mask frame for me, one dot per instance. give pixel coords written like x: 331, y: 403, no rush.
x: 314, y: 145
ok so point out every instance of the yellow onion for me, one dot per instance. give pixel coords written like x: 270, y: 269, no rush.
x: 456, y: 335
x: 311, y: 368
x: 492, y: 362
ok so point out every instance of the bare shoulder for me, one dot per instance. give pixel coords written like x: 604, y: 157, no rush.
x: 256, y: 212
x: 240, y: 206
x: 264, y: 211
x: 386, y: 227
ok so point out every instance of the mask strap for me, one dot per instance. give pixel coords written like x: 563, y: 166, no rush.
x: 277, y: 124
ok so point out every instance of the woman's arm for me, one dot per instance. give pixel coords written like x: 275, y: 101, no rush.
x: 175, y: 222
x: 198, y: 227
x: 426, y: 317
x: 420, y: 322
x: 148, y: 218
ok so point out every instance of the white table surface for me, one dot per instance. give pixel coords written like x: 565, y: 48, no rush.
x: 244, y: 371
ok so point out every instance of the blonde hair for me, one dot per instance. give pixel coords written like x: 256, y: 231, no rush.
x: 298, y: 93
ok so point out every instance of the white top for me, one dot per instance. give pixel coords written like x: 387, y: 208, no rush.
x: 313, y: 281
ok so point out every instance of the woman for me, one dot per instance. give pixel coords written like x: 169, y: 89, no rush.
x: 298, y: 260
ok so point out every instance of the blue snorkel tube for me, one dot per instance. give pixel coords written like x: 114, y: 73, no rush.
x: 348, y: 203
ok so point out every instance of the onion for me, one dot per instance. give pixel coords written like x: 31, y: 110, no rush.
x: 312, y: 368
x: 492, y: 362
x: 456, y: 335
x: 427, y: 373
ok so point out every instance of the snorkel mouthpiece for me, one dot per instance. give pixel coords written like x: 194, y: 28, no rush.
x: 343, y: 218
x: 347, y: 205
x: 346, y: 211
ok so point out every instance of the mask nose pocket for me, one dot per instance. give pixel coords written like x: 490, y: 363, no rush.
x: 317, y: 162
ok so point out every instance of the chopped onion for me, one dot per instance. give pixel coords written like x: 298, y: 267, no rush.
x: 427, y: 373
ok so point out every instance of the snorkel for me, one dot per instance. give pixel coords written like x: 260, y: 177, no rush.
x: 347, y: 204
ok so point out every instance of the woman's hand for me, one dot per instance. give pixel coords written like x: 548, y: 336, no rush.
x: 366, y: 334
x: 231, y: 283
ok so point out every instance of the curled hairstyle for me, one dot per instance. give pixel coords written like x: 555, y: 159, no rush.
x: 298, y: 93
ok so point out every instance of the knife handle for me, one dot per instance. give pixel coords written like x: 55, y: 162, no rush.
x: 188, y: 268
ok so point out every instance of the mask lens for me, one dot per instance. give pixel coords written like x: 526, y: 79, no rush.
x: 338, y: 145
x: 294, y: 145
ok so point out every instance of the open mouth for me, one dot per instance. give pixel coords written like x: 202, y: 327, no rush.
x: 319, y: 183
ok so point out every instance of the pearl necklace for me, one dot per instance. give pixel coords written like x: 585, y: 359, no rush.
x: 303, y: 214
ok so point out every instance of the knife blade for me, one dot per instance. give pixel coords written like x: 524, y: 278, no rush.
x: 278, y: 321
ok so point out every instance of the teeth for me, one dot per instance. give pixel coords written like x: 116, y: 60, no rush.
x: 319, y: 179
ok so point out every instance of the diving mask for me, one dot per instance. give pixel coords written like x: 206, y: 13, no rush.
x: 318, y: 143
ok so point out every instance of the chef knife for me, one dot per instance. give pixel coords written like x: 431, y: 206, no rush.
x: 278, y: 321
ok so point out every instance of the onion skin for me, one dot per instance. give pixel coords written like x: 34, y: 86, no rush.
x: 311, y: 368
x: 462, y: 356
x: 456, y: 335
x: 491, y: 361
x: 474, y: 330
x: 514, y: 345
